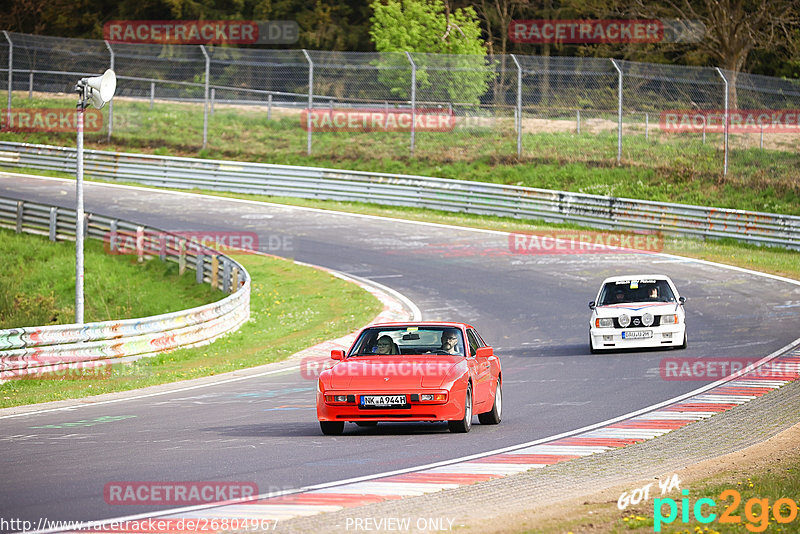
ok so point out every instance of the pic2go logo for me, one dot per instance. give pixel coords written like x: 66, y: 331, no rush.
x: 756, y: 511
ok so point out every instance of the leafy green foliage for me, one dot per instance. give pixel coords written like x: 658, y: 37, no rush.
x: 423, y: 27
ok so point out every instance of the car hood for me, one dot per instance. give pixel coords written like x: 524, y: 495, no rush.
x: 406, y: 371
x: 636, y: 308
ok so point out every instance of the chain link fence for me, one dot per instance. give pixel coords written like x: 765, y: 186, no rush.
x: 417, y: 105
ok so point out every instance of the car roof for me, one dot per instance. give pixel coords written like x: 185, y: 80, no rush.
x: 636, y: 277
x: 449, y: 324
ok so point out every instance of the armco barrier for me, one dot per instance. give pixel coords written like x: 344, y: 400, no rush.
x: 32, y: 350
x: 416, y: 191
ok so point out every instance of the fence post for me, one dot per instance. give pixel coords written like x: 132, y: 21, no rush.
x: 53, y: 223
x: 725, y: 128
x: 111, y: 103
x: 578, y: 121
x: 215, y: 271
x: 30, y: 85
x: 413, y: 100
x: 162, y: 246
x: 199, y: 265
x: 10, y: 72
x: 619, y: 111
x: 310, y: 100
x: 519, y: 106
x: 205, y: 96
x: 226, y: 275
x: 269, y: 106
x: 112, y: 236
x: 152, y: 93
x: 140, y: 244
x: 181, y: 256
x: 20, y: 208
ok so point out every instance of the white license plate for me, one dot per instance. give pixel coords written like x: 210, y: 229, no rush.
x: 382, y: 400
x: 637, y: 334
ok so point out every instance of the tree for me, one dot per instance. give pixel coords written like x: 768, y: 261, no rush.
x: 429, y: 27
x: 735, y: 28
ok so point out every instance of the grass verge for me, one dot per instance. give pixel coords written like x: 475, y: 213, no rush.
x: 665, y: 167
x: 292, y: 307
x: 37, y: 284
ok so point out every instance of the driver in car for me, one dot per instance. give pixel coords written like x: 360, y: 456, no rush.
x: 449, y: 342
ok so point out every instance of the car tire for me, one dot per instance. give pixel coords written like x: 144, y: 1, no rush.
x: 592, y: 350
x: 462, y: 426
x: 493, y: 416
x: 367, y: 423
x: 685, y: 341
x: 332, y: 428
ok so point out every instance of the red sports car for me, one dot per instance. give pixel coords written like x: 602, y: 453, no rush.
x: 422, y: 371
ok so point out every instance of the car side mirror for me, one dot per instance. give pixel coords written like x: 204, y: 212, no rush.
x: 484, y: 352
x: 682, y: 300
x: 592, y: 305
x: 337, y: 354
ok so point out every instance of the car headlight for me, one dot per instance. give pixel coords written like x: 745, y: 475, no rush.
x: 647, y: 319
x: 669, y: 319
x: 604, y: 322
x: 624, y: 320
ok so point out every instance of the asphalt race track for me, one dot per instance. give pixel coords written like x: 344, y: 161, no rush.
x: 531, y: 307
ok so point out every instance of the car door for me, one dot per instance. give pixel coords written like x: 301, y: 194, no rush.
x: 483, y: 378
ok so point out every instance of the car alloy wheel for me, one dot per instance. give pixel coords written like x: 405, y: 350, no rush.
x: 464, y: 425
x: 493, y: 416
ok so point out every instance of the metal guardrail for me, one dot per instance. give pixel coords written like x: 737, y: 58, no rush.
x: 414, y: 191
x: 34, y: 350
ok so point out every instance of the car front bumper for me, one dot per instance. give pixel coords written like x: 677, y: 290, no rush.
x: 662, y: 336
x: 450, y: 410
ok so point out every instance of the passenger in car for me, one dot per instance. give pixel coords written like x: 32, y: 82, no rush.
x: 387, y: 346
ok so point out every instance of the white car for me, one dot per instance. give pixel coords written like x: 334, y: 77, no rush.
x: 632, y: 312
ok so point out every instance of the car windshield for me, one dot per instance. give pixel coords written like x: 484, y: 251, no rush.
x: 626, y: 291
x: 409, y: 340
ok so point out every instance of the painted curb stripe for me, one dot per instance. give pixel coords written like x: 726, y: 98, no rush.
x: 438, y: 478
x: 539, y: 459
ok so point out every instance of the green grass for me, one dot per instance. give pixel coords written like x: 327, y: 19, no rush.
x: 292, y: 307
x: 37, y: 284
x: 675, y: 167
